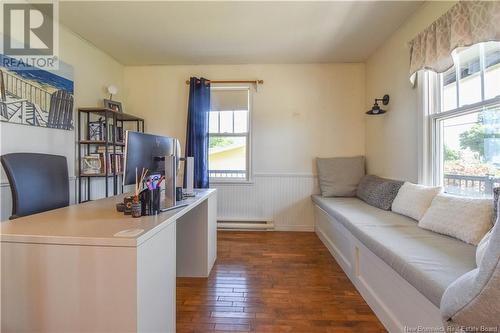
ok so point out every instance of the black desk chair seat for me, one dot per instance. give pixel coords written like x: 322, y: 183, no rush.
x: 38, y: 182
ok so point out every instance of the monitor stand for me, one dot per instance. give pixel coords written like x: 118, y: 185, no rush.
x: 168, y: 200
x: 178, y: 205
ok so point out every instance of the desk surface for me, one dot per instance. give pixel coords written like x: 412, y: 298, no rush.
x: 92, y: 223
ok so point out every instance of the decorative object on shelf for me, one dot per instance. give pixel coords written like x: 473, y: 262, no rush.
x: 113, y: 105
x: 100, y: 133
x: 112, y: 90
x: 36, y: 97
x: 91, y: 164
x: 96, y: 130
x: 376, y: 108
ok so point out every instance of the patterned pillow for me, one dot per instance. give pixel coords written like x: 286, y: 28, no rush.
x: 378, y: 192
x: 496, y: 195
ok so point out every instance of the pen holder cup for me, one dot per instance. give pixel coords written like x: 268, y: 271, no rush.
x: 150, y: 201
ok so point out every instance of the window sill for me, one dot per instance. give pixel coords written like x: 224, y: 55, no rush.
x: 218, y: 181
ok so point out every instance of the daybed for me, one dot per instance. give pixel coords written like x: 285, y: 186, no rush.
x: 403, y: 271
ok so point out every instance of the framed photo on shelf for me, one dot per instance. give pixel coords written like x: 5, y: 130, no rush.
x: 113, y: 105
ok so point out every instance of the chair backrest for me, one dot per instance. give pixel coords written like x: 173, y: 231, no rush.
x: 38, y: 182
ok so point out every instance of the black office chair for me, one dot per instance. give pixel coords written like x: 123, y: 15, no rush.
x: 38, y: 182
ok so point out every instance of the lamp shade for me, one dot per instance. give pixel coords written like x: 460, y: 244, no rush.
x: 376, y: 110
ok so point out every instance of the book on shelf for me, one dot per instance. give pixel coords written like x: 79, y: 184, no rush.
x: 102, y: 150
x: 112, y: 162
x: 115, y: 132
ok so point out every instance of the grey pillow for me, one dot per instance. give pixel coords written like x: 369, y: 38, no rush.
x: 378, y: 192
x: 340, y: 176
x: 496, y: 194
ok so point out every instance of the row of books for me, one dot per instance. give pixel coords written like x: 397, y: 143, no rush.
x: 97, y: 132
x: 96, y: 164
x: 114, y: 162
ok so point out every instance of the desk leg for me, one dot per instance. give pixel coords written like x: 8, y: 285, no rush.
x: 156, y: 283
x: 197, y: 240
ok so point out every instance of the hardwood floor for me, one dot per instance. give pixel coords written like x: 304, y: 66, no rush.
x: 273, y: 282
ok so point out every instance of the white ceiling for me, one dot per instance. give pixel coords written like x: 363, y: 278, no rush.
x: 157, y: 32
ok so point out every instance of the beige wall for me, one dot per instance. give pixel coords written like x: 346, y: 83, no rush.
x: 93, y: 71
x: 300, y: 112
x: 391, y: 139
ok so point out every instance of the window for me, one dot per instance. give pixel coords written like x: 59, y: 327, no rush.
x: 464, y: 122
x: 229, y: 134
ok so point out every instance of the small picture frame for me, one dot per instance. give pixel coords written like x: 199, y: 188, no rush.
x: 113, y: 105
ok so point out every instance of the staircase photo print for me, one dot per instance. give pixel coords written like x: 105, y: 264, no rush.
x: 36, y: 97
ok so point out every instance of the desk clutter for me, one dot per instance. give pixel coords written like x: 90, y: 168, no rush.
x: 147, y: 196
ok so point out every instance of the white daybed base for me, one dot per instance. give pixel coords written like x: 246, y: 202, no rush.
x: 399, y: 306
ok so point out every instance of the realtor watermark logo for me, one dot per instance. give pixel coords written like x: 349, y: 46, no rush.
x: 450, y: 329
x: 30, y: 35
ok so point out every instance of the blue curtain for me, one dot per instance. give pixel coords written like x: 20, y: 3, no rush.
x: 197, y: 130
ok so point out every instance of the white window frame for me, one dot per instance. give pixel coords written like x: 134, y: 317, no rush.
x: 249, y: 175
x: 430, y: 119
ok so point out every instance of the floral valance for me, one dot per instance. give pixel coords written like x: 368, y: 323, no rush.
x: 464, y: 24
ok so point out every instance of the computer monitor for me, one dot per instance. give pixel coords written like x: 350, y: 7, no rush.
x: 146, y: 151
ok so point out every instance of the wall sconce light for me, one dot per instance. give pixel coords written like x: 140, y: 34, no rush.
x: 376, y: 108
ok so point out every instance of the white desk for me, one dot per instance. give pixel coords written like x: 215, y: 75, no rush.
x: 66, y: 271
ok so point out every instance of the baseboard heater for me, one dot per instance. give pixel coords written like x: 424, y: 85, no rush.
x: 245, y: 224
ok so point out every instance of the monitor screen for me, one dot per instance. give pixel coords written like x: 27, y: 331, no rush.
x: 146, y: 151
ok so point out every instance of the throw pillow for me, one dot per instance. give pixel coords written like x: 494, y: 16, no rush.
x: 467, y: 219
x: 340, y: 176
x: 413, y: 200
x: 378, y: 192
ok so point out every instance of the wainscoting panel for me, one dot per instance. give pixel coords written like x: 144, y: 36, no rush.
x: 283, y: 198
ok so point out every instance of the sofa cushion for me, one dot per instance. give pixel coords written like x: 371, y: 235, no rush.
x: 378, y: 192
x: 340, y: 176
x: 427, y: 260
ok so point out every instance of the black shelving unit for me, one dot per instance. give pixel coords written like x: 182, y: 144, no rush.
x: 111, y: 145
